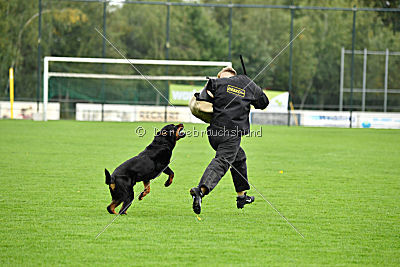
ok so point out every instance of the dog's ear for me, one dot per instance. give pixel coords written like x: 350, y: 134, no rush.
x: 108, y: 176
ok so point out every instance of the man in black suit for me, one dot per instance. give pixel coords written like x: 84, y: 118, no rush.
x: 231, y: 96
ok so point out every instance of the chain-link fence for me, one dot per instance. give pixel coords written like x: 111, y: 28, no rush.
x: 309, y: 68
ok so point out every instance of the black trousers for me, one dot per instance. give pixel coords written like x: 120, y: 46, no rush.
x: 228, y: 152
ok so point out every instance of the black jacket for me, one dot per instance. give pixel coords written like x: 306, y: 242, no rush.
x: 231, y: 102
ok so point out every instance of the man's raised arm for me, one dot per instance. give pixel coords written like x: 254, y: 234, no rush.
x: 261, y: 100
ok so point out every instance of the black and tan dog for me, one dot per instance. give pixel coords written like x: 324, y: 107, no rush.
x: 143, y: 168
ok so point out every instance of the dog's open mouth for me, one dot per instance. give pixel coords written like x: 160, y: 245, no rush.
x: 179, y: 132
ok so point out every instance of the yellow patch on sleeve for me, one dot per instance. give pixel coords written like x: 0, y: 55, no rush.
x: 236, y: 90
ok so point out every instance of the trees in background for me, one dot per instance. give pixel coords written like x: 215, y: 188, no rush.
x: 202, y: 33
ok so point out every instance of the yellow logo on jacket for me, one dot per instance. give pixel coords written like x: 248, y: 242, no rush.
x: 236, y: 90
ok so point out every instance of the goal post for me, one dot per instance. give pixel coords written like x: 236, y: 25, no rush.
x: 47, y: 74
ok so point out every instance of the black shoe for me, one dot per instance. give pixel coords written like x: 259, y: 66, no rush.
x: 197, y: 195
x: 241, y: 201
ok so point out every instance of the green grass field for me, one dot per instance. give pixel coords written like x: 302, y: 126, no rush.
x: 339, y: 187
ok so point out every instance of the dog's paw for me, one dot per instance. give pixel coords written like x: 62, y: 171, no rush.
x: 141, y: 196
x: 168, y: 182
x: 110, y: 210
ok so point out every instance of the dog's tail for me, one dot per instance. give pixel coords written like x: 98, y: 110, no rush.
x: 109, y: 179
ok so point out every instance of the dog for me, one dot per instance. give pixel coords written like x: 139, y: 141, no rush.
x: 149, y: 164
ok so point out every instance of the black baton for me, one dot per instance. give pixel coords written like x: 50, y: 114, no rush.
x: 244, y: 68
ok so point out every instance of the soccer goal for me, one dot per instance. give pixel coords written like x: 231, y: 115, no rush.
x: 135, y: 67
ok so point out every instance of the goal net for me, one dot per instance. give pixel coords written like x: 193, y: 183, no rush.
x: 71, y: 80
